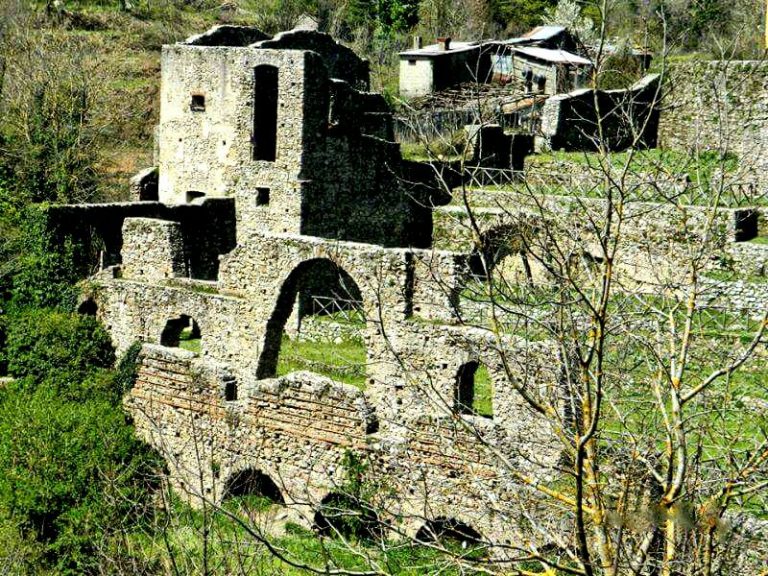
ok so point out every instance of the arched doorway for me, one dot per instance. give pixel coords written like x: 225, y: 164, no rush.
x: 473, y: 392
x: 346, y: 516
x: 251, y: 482
x: 322, y: 289
x: 453, y: 535
x: 88, y: 308
x: 182, y: 332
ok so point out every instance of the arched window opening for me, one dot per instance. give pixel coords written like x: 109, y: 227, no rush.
x: 495, y: 245
x: 182, y: 332
x: 254, y: 488
x: 346, y: 516
x: 88, y: 308
x: 329, y: 337
x: 453, y: 535
x: 474, y: 390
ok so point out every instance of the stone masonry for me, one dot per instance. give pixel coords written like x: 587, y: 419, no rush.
x: 278, y: 182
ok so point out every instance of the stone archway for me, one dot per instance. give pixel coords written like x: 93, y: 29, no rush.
x: 181, y: 332
x: 451, y: 533
x: 307, y: 282
x: 252, y: 482
x: 473, y: 391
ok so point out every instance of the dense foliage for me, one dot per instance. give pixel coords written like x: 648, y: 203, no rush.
x: 73, y: 471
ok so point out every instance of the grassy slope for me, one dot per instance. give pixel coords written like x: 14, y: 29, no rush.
x: 125, y: 48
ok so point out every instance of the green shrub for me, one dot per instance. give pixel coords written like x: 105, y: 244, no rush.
x: 73, y: 473
x: 127, y: 369
x: 43, y: 271
x: 57, y: 347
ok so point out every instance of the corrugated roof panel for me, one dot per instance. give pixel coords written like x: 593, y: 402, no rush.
x: 435, y: 50
x: 556, y: 56
x: 544, y: 32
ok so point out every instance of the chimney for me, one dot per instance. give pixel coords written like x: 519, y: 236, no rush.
x: 417, y: 43
x: 444, y: 43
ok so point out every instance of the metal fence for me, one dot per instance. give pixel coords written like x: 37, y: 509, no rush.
x: 347, y: 309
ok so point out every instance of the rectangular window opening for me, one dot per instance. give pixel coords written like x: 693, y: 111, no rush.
x: 262, y: 196
x: 198, y: 103
x: 193, y: 195
x: 265, y: 95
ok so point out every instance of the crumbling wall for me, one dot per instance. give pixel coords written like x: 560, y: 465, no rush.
x: 719, y: 106
x: 210, y: 150
x: 340, y: 61
x: 299, y: 430
x: 657, y: 239
x: 414, y: 366
x: 153, y: 250
x: 616, y: 119
x: 208, y: 230
x: 295, y: 429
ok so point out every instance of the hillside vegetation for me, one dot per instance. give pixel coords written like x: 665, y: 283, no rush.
x: 79, y: 99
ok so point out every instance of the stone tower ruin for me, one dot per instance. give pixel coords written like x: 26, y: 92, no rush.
x: 278, y: 181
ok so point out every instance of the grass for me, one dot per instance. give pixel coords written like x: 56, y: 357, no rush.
x: 188, y: 342
x: 730, y: 276
x: 183, y: 536
x: 445, y: 149
x: 699, y: 171
x: 482, y: 399
x: 194, y: 286
x: 344, y: 362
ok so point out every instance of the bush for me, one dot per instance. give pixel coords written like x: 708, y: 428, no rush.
x: 58, y: 348
x: 73, y: 474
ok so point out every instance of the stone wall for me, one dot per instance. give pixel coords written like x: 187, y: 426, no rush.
x: 617, y: 119
x: 153, y: 250
x: 720, y: 106
x: 747, y: 259
x: 210, y: 150
x: 299, y: 430
x: 335, y: 172
x: 738, y: 296
x: 208, y: 230
x: 296, y: 429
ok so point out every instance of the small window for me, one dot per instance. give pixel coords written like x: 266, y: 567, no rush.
x: 193, y: 195
x: 412, y: 62
x: 230, y: 391
x: 262, y: 196
x: 198, y: 103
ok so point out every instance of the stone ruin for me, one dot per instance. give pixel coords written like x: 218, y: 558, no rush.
x: 278, y: 184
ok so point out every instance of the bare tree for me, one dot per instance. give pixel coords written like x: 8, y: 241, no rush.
x: 610, y: 261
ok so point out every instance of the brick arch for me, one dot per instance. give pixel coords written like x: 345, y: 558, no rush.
x: 499, y: 242
x: 253, y: 481
x: 300, y: 278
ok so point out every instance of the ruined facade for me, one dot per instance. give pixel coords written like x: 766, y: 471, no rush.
x: 718, y: 106
x: 278, y: 184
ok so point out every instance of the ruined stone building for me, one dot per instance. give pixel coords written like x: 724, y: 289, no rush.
x: 278, y: 185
